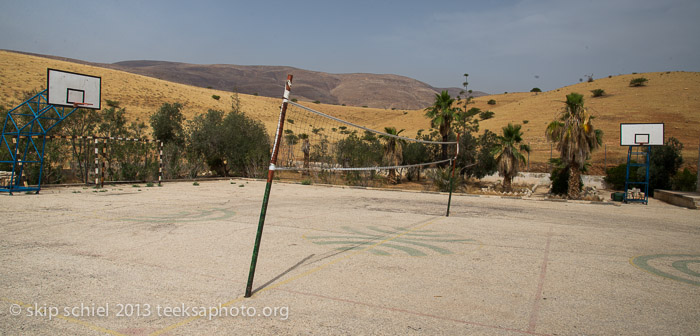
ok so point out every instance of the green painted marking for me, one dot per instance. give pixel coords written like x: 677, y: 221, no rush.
x: 408, y: 243
x: 186, y: 217
x: 379, y: 252
x: 384, y: 231
x: 429, y: 235
x: 411, y: 251
x: 349, y: 229
x: 680, y: 265
x: 358, y: 244
x: 432, y: 247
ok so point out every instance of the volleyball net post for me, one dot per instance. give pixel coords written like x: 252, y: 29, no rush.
x: 310, y: 144
x: 268, y: 186
x: 452, y: 178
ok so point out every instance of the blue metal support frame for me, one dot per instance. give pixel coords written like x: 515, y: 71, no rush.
x: 633, y: 156
x: 24, y: 124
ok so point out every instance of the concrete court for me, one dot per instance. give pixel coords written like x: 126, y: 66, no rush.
x: 342, y: 261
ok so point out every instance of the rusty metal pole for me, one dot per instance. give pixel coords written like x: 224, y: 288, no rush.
x: 270, y: 177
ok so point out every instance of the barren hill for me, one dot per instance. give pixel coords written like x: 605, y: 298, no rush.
x: 358, y: 89
x: 373, y: 90
x: 672, y: 98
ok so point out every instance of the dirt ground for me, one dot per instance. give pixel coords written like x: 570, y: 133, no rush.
x: 174, y: 260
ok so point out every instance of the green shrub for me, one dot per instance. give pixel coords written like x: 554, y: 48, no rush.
x: 665, y: 162
x: 598, y: 92
x: 685, y: 180
x: 216, y: 97
x: 441, y: 179
x: 526, y: 121
x: 476, y: 157
x: 491, y: 102
x: 536, y: 89
x: 230, y: 144
x: 306, y: 182
x: 485, y: 115
x: 149, y: 184
x: 195, y: 183
x: 317, y: 102
x: 641, y: 81
x: 615, y: 176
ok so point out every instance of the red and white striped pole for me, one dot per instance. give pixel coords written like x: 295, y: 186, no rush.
x: 270, y: 176
x: 97, y: 163
x: 160, y: 164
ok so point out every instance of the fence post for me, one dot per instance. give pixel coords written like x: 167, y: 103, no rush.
x: 605, y: 162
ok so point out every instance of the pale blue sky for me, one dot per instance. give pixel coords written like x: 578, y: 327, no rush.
x: 510, y: 45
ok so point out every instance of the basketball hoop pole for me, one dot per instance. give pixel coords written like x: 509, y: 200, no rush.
x: 270, y: 177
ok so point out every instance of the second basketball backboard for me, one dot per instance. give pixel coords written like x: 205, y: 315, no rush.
x: 642, y: 134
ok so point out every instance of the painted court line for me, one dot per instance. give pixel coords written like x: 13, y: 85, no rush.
x: 400, y: 310
x: 70, y: 319
x: 535, y: 312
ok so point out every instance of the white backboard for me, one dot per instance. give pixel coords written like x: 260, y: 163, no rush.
x: 66, y: 88
x: 648, y: 134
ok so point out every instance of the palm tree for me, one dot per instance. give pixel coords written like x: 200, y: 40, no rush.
x: 509, y: 153
x: 575, y: 137
x: 393, y: 151
x: 441, y: 115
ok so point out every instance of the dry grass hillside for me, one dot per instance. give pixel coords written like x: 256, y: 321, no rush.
x: 672, y: 98
x: 669, y: 97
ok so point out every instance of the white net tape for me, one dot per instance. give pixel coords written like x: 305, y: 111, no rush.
x: 315, y: 141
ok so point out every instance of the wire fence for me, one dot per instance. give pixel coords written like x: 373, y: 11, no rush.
x: 607, y: 156
x: 93, y: 161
